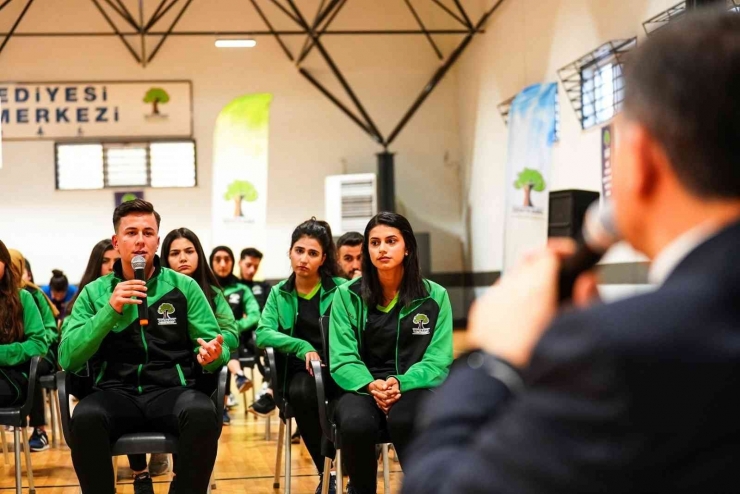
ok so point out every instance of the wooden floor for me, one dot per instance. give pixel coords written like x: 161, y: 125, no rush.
x: 245, y: 463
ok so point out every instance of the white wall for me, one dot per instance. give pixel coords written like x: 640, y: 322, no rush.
x: 309, y: 137
x: 526, y: 42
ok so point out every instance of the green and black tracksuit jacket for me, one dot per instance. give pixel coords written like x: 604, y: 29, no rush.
x: 15, y: 358
x: 423, y: 339
x: 279, y: 316
x: 49, y: 321
x: 243, y: 305
x: 121, y: 354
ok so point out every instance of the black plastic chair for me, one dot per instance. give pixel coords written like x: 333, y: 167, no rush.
x: 16, y: 417
x: 286, y: 415
x: 140, y: 442
x: 329, y: 426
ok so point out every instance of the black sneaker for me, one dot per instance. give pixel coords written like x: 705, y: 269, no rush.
x: 143, y: 484
x: 243, y: 383
x: 173, y: 486
x: 332, y: 484
x: 227, y: 419
x: 159, y: 464
x: 38, y: 441
x: 264, y: 406
x: 350, y: 489
x: 296, y: 437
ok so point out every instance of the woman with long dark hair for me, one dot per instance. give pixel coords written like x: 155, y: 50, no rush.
x: 100, y: 263
x: 290, y: 324
x: 390, y: 343
x: 22, y: 334
x: 182, y: 252
x: 39, y: 441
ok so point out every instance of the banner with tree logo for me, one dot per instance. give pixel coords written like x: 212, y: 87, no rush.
x: 240, y: 143
x: 531, y: 136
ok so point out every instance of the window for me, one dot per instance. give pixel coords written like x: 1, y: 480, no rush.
x: 602, y: 93
x: 131, y: 164
x: 594, y: 83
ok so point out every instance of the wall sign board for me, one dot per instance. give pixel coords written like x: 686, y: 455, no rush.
x: 68, y: 110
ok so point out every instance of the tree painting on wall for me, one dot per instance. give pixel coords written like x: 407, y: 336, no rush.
x: 156, y: 96
x: 529, y: 180
x: 238, y: 191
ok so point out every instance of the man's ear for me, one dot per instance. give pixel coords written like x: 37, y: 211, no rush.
x: 641, y: 166
x: 114, y: 241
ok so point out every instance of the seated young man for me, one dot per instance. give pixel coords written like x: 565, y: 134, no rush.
x: 144, y: 375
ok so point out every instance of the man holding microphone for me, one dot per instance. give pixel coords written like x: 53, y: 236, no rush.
x: 639, y: 395
x: 143, y: 367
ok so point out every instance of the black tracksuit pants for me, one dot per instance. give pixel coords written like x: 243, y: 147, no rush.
x: 104, y: 416
x: 301, y: 390
x: 360, y: 423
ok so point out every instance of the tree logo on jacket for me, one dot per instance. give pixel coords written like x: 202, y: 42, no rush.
x: 165, y: 310
x: 420, y: 320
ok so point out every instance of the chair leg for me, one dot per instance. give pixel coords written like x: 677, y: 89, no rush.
x: 54, y: 424
x: 386, y: 471
x: 5, y: 445
x: 340, y: 474
x: 268, y: 434
x: 59, y: 419
x: 279, y: 456
x: 288, y: 451
x: 115, y: 472
x: 17, y: 454
x: 327, y: 476
x: 254, y: 386
x: 29, y: 468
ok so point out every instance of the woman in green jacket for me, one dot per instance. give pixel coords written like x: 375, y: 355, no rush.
x: 22, y: 334
x: 290, y: 324
x: 390, y: 343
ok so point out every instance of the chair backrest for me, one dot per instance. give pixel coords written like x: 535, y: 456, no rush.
x: 324, y: 328
x: 26, y: 408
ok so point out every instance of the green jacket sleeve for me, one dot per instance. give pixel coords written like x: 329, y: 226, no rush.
x: 251, y: 312
x: 433, y: 368
x: 34, y: 343
x: 269, y: 335
x: 47, y: 317
x: 202, y: 323
x: 84, y: 330
x: 226, y: 321
x: 345, y: 364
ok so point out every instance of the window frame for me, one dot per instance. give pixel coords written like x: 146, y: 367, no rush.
x: 133, y: 141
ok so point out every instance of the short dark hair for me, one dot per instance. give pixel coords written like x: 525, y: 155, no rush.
x: 682, y: 85
x: 352, y: 239
x: 412, y: 284
x: 131, y: 207
x: 250, y: 252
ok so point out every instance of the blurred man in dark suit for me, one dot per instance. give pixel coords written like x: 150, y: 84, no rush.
x: 639, y: 395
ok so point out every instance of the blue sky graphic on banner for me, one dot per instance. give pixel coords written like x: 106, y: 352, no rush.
x: 531, y: 137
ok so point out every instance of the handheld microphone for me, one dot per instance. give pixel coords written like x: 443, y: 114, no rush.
x: 599, y: 234
x: 139, y: 265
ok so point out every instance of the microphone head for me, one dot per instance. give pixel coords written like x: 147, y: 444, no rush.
x: 138, y: 263
x: 599, y: 228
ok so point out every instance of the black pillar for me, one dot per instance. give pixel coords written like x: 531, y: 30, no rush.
x: 386, y: 182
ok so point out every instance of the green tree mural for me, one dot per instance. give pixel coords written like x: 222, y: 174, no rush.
x: 238, y: 191
x: 529, y: 180
x: 166, y: 309
x: 420, y: 320
x: 155, y: 96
